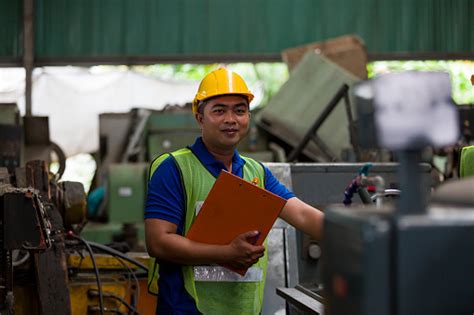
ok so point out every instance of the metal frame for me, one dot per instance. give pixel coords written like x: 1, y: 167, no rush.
x: 342, y: 93
x: 203, y: 59
x: 29, y: 51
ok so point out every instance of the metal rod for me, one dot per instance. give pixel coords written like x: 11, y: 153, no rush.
x: 28, y: 52
x: 412, y: 199
x: 352, y: 129
x: 329, y: 155
x: 317, y: 124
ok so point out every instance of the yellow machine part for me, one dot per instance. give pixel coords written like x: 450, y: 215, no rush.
x: 112, y: 271
x: 80, y: 301
x: 105, y: 261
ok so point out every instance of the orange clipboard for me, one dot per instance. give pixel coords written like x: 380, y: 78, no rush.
x: 235, y: 206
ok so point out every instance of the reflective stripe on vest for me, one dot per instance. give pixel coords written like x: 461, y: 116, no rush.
x: 222, y: 274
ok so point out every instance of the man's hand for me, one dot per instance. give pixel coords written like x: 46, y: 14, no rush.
x: 163, y: 242
x: 243, y: 253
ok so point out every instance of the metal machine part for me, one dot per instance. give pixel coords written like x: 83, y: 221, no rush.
x: 37, y: 143
x: 382, y: 263
x: 23, y: 208
x: 10, y: 136
x: 32, y: 239
x: 71, y: 201
x: 282, y: 253
x: 312, y: 85
x: 311, y: 134
x: 123, y: 285
x: 320, y: 185
x: 303, y: 300
x: 126, y: 190
x: 356, y: 262
x: 113, y: 136
x: 408, y: 261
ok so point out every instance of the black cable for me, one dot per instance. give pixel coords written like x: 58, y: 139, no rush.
x: 118, y: 254
x: 114, y: 252
x: 93, y: 292
x: 129, y: 279
x: 96, y: 270
x: 131, y: 274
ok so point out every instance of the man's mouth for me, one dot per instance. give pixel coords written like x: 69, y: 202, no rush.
x: 230, y: 130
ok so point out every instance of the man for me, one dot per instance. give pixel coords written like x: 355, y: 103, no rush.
x: 182, y: 179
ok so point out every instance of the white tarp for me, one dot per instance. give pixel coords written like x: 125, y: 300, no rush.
x: 74, y: 97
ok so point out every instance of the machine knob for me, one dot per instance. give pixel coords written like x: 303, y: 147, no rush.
x: 314, y: 251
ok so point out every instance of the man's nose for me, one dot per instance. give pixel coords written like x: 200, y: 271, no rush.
x: 230, y: 117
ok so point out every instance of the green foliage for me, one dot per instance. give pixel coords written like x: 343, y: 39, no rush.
x: 271, y: 76
x: 189, y: 72
x: 460, y: 72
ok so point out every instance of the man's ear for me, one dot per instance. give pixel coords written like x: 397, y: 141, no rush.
x: 199, y: 118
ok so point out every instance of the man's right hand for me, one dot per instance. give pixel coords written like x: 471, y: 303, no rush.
x: 163, y: 242
x: 243, y: 253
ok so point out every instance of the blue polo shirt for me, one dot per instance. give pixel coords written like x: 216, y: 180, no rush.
x: 165, y: 201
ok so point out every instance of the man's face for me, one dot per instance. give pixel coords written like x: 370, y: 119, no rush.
x: 224, y: 121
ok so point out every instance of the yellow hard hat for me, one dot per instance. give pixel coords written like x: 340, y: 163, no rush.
x: 221, y: 82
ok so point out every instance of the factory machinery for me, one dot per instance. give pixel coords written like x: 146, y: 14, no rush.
x: 321, y: 127
x: 46, y: 267
x: 373, y: 260
x: 415, y: 257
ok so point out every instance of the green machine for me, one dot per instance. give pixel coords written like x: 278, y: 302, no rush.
x: 124, y: 204
x: 314, y: 104
x: 127, y: 192
x: 169, y: 131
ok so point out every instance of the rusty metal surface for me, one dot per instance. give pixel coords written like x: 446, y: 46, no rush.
x: 37, y: 177
x: 51, y: 270
x: 52, y: 282
x: 50, y: 266
x: 26, y: 229
x: 74, y: 202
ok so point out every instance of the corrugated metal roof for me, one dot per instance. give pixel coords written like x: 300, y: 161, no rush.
x: 10, y: 29
x: 181, y: 29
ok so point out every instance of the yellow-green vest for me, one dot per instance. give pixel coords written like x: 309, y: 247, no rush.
x: 222, y: 291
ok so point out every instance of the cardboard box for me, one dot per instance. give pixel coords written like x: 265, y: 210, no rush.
x: 347, y: 52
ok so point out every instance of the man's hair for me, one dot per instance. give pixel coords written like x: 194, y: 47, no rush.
x: 203, y: 104
x: 201, y: 107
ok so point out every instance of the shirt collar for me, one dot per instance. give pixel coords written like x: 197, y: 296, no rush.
x: 207, y: 158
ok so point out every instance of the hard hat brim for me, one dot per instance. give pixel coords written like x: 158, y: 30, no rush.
x: 197, y: 102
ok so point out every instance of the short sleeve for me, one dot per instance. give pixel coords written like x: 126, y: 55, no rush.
x: 273, y: 185
x: 165, y: 197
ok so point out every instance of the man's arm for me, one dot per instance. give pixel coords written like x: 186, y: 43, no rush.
x: 163, y: 242
x: 303, y: 217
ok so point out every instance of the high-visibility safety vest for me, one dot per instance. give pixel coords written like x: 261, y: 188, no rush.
x: 215, y: 289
